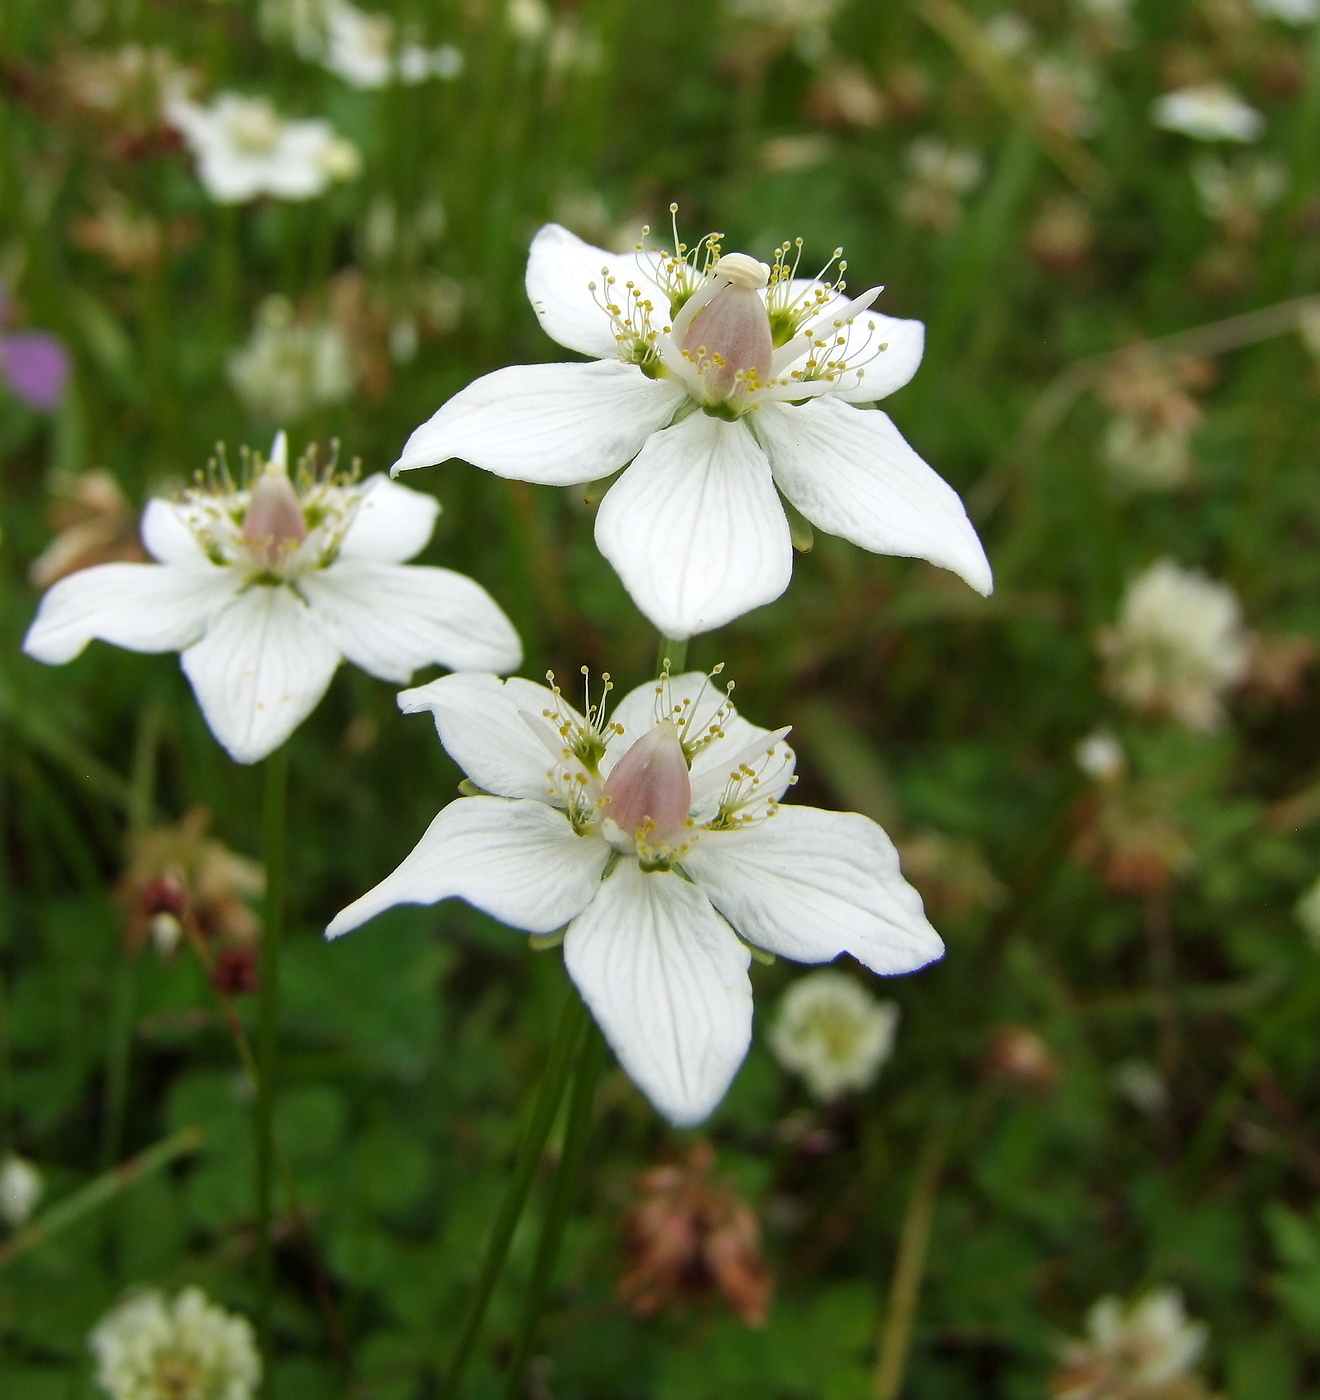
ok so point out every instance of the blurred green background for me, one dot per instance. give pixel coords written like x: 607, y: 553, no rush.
x: 1001, y: 175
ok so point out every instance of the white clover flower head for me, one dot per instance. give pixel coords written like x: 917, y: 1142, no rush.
x: 149, y: 1348
x: 832, y: 1033
x: 1294, y: 12
x: 719, y: 381
x: 1308, y: 913
x: 266, y: 583
x: 288, y: 368
x: 651, y: 839
x: 1211, y: 112
x: 244, y: 149
x: 1133, y: 1350
x: 1223, y: 188
x: 1142, y: 1085
x: 1100, y: 756
x: 1142, y: 455
x: 21, y: 1187
x: 1178, y: 645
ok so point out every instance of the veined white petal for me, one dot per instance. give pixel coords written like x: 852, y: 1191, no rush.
x: 882, y: 352
x: 694, y: 527
x: 850, y: 472
x: 520, y: 862
x: 391, y: 523
x: 701, y: 700
x: 667, y: 982
x: 167, y: 536
x: 480, y: 722
x: 560, y: 271
x: 259, y: 671
x: 392, y: 618
x: 142, y: 607
x: 810, y: 885
x: 554, y: 424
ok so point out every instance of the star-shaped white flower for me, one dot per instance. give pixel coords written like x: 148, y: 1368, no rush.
x: 265, y: 589
x: 655, y: 838
x: 244, y: 148
x: 723, y: 381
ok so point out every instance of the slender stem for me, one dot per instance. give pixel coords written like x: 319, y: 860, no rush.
x: 277, y: 786
x: 119, y: 1059
x: 560, y: 1205
x: 545, y: 1107
x: 672, y: 654
x: 99, y: 1190
x: 909, y: 1266
x: 119, y: 1054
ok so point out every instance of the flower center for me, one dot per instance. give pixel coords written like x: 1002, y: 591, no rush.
x: 274, y: 525
x: 277, y: 528
x: 649, y: 793
x: 254, y: 126
x: 177, y: 1377
x: 729, y: 340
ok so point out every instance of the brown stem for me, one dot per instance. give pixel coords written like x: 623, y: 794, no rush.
x: 909, y: 1266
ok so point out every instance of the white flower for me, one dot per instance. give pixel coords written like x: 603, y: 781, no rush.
x: 785, y: 14
x: 1211, y: 112
x: 1133, y: 1351
x: 364, y: 48
x: 288, y: 368
x: 21, y: 1187
x: 244, y: 149
x: 1142, y: 1085
x: 1100, y: 756
x: 1294, y: 12
x: 833, y: 1033
x: 265, y: 588
x: 1178, y: 645
x: 1308, y: 913
x: 719, y: 379
x: 190, y: 1349
x: 651, y: 836
x: 529, y: 21
x: 1235, y: 194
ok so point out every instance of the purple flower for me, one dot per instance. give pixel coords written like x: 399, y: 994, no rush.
x: 35, y: 365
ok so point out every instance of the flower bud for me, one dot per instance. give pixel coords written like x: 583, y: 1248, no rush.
x: 730, y: 336
x: 274, y: 525
x: 650, y: 785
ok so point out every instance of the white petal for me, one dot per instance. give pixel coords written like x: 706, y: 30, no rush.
x: 166, y: 534
x: 259, y: 671
x: 481, y: 725
x: 850, y: 472
x: 667, y: 981
x: 695, y: 529
x: 555, y: 424
x: 560, y: 271
x: 519, y: 862
x: 391, y: 522
x: 392, y: 618
x: 143, y: 607
x: 700, y: 698
x: 810, y: 885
